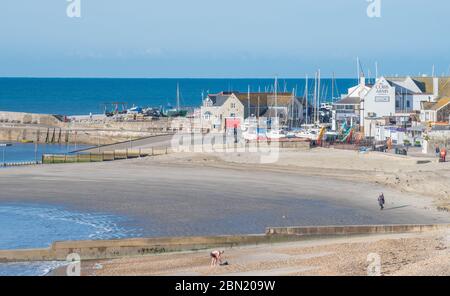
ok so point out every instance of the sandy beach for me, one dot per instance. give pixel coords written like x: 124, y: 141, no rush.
x: 425, y: 254
x: 201, y: 194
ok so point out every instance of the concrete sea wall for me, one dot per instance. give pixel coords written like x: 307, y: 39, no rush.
x: 352, y: 230
x: 108, y: 249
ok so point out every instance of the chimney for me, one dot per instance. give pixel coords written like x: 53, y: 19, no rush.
x: 435, y: 87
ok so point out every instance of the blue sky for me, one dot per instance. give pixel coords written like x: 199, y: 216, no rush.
x: 212, y: 38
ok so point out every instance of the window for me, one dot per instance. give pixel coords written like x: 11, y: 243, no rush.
x: 207, y: 115
x: 233, y: 105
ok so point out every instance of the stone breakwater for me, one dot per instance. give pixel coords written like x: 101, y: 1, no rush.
x: 44, y: 128
x: 69, y: 136
x: 29, y: 118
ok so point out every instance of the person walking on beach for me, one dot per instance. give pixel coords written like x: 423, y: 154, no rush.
x: 381, y: 201
x: 438, y: 151
x: 216, y: 258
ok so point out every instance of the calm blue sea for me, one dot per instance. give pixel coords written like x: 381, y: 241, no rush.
x: 24, y: 226
x: 21, y: 152
x: 82, y: 96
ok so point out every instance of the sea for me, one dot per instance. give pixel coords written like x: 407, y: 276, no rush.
x: 29, y: 152
x: 81, y: 96
x: 25, y: 226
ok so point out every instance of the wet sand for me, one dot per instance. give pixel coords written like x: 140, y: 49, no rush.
x: 196, y: 194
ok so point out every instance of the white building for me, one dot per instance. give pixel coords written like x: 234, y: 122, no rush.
x: 348, y: 109
x: 360, y: 90
x: 399, y: 97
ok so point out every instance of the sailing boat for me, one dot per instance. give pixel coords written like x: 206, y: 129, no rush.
x: 177, y: 112
x: 275, y: 133
x: 311, y: 130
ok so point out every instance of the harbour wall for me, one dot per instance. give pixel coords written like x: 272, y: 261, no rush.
x: 109, y: 249
x: 163, y: 124
x: 58, y: 135
x: 29, y: 118
x: 44, y: 128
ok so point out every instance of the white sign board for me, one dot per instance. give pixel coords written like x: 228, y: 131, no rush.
x: 382, y: 99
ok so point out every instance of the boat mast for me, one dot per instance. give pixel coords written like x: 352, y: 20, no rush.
x: 358, y: 72
x: 178, y: 96
x: 315, y: 99
x: 276, y: 99
x: 292, y: 108
x: 248, y: 102
x: 376, y: 71
x: 318, y: 98
x: 306, y: 98
x: 332, y: 88
x: 258, y: 108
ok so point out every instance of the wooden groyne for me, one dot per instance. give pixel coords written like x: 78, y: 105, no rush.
x: 17, y: 164
x: 103, y: 156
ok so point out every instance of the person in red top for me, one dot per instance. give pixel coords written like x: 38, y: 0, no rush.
x: 443, y: 154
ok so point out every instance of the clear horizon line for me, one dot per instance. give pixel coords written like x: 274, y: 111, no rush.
x: 173, y: 78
